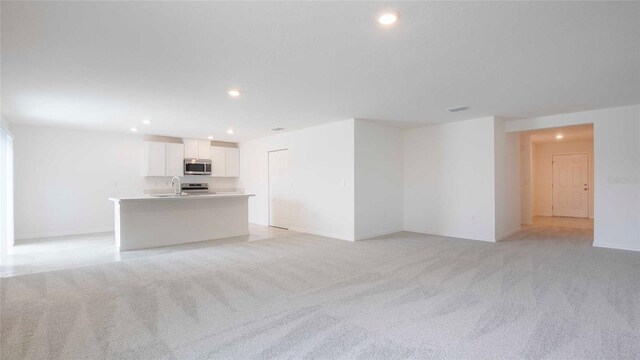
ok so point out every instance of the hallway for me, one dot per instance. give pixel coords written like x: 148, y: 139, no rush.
x: 564, y: 222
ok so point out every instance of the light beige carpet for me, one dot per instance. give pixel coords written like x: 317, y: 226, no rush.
x: 546, y: 293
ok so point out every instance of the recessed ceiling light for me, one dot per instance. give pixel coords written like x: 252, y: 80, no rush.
x: 559, y: 136
x: 234, y: 93
x: 134, y: 129
x: 230, y: 131
x: 210, y: 137
x: 146, y: 122
x: 388, y: 18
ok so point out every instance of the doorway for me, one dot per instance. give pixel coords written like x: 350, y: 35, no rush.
x: 279, y: 212
x: 570, y: 185
x: 557, y: 177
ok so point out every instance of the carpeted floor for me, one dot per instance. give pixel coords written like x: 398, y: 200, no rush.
x: 545, y: 293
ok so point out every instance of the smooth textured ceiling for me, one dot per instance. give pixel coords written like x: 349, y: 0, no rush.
x: 569, y: 133
x: 109, y: 65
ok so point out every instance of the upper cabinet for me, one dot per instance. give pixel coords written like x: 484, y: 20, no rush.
x: 164, y: 159
x: 167, y: 159
x: 218, y: 161
x: 156, y: 159
x: 204, y: 149
x: 197, y: 149
x: 233, y: 162
x: 191, y: 150
x: 225, y: 161
x: 175, y: 159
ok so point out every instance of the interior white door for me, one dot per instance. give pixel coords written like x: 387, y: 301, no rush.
x: 279, y: 215
x: 571, y: 185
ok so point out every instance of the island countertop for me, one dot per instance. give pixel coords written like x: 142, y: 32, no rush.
x: 154, y: 197
x: 146, y: 221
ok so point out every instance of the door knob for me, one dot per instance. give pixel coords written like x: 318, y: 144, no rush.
x: 586, y: 188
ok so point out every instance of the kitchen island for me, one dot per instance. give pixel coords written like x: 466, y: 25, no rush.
x: 148, y: 221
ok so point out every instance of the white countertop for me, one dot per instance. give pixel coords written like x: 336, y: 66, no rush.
x: 152, y: 197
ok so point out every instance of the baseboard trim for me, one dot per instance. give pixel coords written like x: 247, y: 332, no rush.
x: 218, y: 237
x: 449, y: 235
x: 323, y: 233
x: 382, y: 233
x: 616, y: 246
x: 508, y: 234
x: 62, y: 233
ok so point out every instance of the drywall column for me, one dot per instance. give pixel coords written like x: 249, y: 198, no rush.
x: 526, y: 176
x: 507, y: 181
x: 6, y: 188
x: 617, y: 180
x: 379, y: 186
x: 449, y: 179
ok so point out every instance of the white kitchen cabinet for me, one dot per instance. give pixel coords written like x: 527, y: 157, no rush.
x: 175, y: 159
x: 225, y: 161
x: 163, y: 159
x: 204, y: 149
x: 196, y: 149
x: 191, y: 149
x: 156, y: 159
x: 233, y: 162
x: 218, y: 161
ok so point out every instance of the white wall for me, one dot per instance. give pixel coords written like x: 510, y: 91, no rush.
x: 526, y: 179
x: 458, y: 177
x: 507, y: 181
x: 6, y: 187
x: 449, y: 179
x: 379, y: 185
x: 63, y: 179
x: 543, y: 178
x: 321, y: 172
x: 617, y: 179
x: 616, y: 170
x: 5, y: 124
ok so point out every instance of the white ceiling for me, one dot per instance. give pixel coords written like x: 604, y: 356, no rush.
x: 569, y: 133
x: 109, y: 65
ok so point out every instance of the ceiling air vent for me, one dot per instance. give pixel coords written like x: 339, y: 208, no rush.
x: 277, y: 129
x: 458, y: 108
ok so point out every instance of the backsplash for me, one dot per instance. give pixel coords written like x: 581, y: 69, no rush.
x: 155, y: 184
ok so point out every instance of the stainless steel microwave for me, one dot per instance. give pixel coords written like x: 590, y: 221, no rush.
x: 197, y: 167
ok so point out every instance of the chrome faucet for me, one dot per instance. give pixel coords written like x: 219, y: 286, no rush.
x: 178, y: 189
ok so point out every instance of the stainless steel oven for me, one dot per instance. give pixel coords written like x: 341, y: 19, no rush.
x: 197, y: 167
x: 195, y: 188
